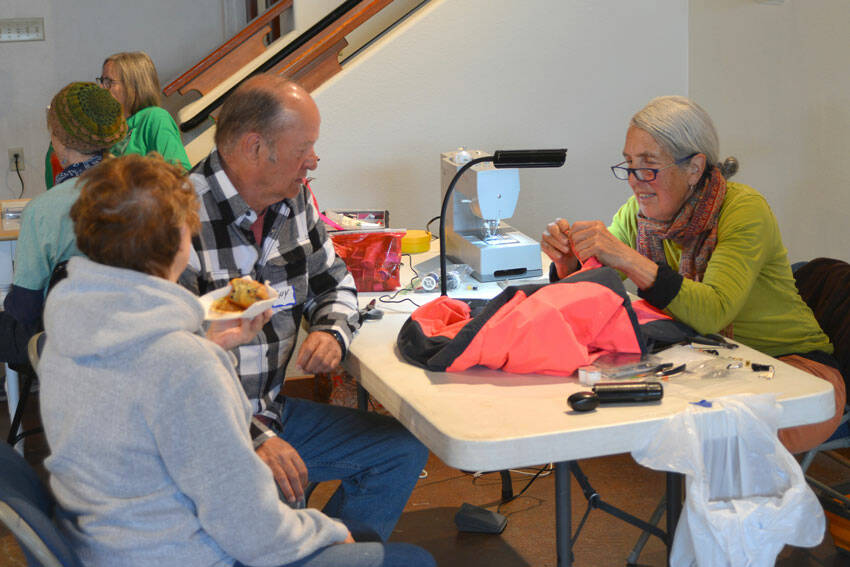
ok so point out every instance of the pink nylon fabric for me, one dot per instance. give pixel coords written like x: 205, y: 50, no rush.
x: 443, y: 317
x: 552, y: 332
x: 646, y: 313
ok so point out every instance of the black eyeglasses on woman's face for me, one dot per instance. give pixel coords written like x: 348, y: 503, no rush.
x: 643, y: 173
x: 106, y: 82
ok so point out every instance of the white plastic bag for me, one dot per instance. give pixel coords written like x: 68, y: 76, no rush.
x: 746, y: 496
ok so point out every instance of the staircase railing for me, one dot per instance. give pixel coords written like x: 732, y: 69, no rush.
x: 310, y: 58
x: 233, y: 54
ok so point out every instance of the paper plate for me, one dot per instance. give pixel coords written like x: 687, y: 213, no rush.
x: 254, y: 310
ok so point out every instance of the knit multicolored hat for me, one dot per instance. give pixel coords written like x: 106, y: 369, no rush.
x: 86, y: 118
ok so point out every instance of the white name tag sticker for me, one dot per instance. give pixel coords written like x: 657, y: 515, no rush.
x: 286, y: 297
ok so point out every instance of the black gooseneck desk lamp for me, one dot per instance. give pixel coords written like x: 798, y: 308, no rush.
x: 501, y: 159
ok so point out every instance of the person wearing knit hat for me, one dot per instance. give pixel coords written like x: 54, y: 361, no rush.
x: 84, y: 121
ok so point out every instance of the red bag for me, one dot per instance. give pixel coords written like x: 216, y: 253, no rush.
x: 373, y: 257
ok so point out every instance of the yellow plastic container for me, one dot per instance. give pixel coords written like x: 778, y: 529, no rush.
x: 416, y: 241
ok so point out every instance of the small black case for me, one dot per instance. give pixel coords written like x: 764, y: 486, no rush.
x: 628, y: 392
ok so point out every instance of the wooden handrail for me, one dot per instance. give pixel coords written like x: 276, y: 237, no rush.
x: 329, y: 38
x: 256, y: 25
x: 310, y: 54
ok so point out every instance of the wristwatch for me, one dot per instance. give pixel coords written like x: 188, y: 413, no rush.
x: 338, y: 336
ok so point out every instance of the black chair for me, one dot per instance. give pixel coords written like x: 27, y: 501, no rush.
x: 26, y: 372
x: 27, y: 510
x: 824, y: 284
x: 26, y: 379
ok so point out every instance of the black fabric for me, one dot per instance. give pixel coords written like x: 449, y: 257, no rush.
x: 665, y: 332
x: 60, y: 272
x: 665, y: 287
x: 818, y: 356
x: 13, y: 346
x: 22, y: 317
x: 553, y: 273
x: 26, y: 306
x: 824, y: 284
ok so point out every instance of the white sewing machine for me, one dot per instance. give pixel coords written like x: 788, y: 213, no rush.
x: 475, y: 233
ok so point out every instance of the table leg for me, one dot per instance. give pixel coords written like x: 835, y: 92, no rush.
x: 563, y: 514
x: 675, y: 494
x: 362, y: 398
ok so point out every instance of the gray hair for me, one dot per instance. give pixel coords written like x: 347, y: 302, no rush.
x: 252, y: 108
x: 682, y: 127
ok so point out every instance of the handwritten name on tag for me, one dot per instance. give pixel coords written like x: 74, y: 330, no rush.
x: 286, y: 297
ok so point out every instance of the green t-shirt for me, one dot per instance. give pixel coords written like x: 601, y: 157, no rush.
x: 748, y: 282
x: 153, y: 130
x: 46, y: 237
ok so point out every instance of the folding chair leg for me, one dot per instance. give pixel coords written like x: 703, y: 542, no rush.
x: 644, y: 536
x: 24, y: 393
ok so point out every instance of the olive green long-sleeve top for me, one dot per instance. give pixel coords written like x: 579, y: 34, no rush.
x: 748, y: 282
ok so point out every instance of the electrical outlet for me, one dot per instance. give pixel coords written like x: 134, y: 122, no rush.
x: 16, y: 152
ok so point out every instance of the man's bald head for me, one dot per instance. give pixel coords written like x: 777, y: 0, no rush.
x: 265, y: 104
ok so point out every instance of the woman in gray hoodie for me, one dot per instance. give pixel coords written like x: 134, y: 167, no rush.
x: 151, y: 458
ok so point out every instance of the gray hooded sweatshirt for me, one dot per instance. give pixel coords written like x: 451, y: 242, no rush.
x: 151, y: 459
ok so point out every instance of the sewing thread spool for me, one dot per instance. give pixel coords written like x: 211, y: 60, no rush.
x: 431, y: 281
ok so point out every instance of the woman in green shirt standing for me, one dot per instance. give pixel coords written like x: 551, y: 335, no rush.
x: 133, y: 81
x: 707, y: 251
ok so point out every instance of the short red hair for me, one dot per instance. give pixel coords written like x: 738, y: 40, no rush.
x: 130, y: 212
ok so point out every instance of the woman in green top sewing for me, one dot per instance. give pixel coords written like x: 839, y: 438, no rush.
x: 706, y: 250
x: 132, y: 79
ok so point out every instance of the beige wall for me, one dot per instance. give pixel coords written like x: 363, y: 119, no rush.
x: 498, y: 74
x: 776, y: 80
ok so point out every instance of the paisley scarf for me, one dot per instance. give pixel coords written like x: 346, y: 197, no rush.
x: 694, y: 228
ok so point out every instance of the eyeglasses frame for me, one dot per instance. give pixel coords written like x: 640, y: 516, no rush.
x: 634, y: 170
x: 106, y: 82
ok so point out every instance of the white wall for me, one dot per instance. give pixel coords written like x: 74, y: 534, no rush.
x: 498, y: 74
x: 79, y: 34
x: 776, y: 80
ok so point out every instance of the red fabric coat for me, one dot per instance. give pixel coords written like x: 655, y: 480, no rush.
x: 542, y: 329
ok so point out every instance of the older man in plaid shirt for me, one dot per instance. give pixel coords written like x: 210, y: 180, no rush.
x: 257, y: 219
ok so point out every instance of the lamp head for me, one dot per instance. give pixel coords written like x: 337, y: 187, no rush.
x: 529, y: 158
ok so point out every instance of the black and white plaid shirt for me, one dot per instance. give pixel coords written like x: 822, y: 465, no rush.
x: 295, y: 255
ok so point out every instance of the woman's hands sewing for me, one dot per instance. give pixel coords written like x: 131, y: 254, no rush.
x: 556, y: 244
x: 567, y: 245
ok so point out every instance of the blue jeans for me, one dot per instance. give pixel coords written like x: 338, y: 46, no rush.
x: 375, y: 457
x: 366, y: 555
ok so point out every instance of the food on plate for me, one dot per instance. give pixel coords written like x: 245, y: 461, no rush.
x: 243, y: 294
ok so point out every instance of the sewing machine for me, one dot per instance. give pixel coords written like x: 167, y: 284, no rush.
x: 475, y: 233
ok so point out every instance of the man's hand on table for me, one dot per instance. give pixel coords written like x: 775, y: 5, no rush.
x: 288, y: 469
x: 234, y: 332
x: 320, y: 352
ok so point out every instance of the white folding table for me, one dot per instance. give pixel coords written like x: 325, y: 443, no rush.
x: 485, y: 419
